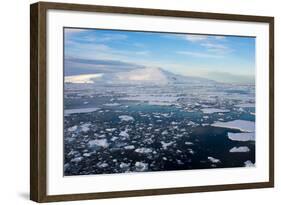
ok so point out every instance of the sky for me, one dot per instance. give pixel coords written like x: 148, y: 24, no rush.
x: 221, y: 58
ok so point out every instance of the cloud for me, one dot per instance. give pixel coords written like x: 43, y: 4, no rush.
x: 76, y: 66
x: 143, y: 53
x: 91, y: 36
x: 195, y: 38
x: 199, y: 54
x: 216, y: 47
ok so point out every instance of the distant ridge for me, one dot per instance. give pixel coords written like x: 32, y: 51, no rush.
x: 147, y: 75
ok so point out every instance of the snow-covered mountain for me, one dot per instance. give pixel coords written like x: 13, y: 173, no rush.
x: 148, y: 75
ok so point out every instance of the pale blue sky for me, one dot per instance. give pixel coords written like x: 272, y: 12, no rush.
x: 221, y: 58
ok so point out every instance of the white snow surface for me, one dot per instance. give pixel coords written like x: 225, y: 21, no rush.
x: 80, y: 79
x: 240, y: 149
x: 146, y: 75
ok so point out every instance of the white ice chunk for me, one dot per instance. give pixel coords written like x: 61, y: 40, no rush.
x: 143, y: 150
x: 240, y: 149
x: 126, y: 118
x: 102, y: 165
x: 129, y: 147
x: 85, y: 127
x: 248, y: 163
x: 77, y: 159
x: 213, y: 110
x: 124, y: 166
x: 248, y: 136
x: 73, y: 128
x: 112, y: 104
x: 110, y: 129
x: 79, y: 110
x: 124, y: 133
x: 166, y: 145
x: 140, y: 166
x: 242, y: 125
x: 246, y: 105
x: 214, y: 160
x: 98, y: 142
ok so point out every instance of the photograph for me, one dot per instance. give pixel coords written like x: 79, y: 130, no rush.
x: 145, y: 101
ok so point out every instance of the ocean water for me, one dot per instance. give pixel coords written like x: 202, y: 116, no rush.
x: 133, y: 136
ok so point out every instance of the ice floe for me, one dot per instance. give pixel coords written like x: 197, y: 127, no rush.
x: 140, y: 166
x: 248, y: 163
x: 77, y: 159
x: 98, y: 143
x: 129, y: 147
x: 213, y: 160
x: 73, y: 128
x: 242, y: 125
x: 213, y: 110
x: 124, y: 133
x: 124, y: 166
x: 165, y: 145
x: 246, y: 105
x: 247, y: 136
x: 143, y: 150
x: 126, y: 118
x: 79, y: 110
x: 111, y: 104
x: 102, y: 164
x: 240, y: 149
x: 85, y: 127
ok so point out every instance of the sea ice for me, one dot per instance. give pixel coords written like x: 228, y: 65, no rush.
x: 242, y: 125
x: 77, y: 159
x: 143, y: 150
x: 85, y: 127
x: 126, y: 118
x: 166, y: 145
x: 214, y: 160
x: 240, y: 149
x: 248, y: 163
x: 73, y: 128
x: 124, y: 133
x: 129, y: 147
x: 213, y: 110
x: 102, y: 164
x: 124, y: 165
x: 140, y: 166
x: 79, y: 110
x: 246, y: 105
x: 112, y: 104
x: 99, y: 143
x: 110, y: 129
x: 248, y: 136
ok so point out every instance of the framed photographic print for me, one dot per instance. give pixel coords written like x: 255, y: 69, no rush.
x: 134, y: 102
